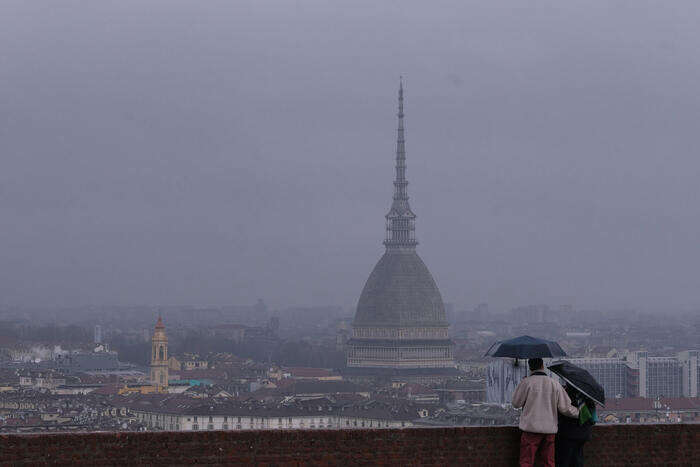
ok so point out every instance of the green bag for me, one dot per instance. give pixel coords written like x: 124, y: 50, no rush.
x: 584, y: 415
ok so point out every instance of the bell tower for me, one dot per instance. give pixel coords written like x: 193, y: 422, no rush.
x: 159, y: 355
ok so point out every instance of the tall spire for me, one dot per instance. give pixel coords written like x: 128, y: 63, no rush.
x: 400, y: 221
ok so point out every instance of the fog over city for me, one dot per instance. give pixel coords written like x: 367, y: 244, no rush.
x: 181, y: 152
x: 246, y: 232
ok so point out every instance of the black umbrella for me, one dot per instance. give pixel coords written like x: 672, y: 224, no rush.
x: 526, y: 347
x: 580, y: 379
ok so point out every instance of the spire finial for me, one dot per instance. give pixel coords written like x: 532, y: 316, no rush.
x: 400, y: 221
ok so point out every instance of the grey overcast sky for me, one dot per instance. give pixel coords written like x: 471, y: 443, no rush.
x: 214, y: 152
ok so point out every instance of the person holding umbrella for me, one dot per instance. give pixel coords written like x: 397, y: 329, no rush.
x: 573, y: 433
x: 542, y: 398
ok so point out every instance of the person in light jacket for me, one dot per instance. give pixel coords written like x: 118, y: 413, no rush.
x: 542, y: 399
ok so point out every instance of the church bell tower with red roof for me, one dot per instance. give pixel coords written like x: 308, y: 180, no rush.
x: 159, y: 355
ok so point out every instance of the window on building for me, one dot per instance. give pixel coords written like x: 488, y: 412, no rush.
x: 195, y: 427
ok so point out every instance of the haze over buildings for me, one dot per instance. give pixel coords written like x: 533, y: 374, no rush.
x: 218, y: 152
x: 190, y: 203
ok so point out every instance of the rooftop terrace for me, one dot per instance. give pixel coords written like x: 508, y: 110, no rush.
x: 615, y: 445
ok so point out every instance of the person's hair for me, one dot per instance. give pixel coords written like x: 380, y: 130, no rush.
x: 535, y: 364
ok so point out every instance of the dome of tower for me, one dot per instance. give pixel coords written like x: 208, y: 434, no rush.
x: 400, y: 291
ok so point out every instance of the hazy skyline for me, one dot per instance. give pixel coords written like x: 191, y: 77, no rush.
x: 188, y: 152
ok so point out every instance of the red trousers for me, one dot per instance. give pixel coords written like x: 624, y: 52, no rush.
x: 530, y: 443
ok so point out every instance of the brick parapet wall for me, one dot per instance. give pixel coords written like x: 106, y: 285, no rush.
x: 616, y: 445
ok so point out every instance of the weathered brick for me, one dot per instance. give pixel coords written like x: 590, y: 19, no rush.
x: 672, y: 445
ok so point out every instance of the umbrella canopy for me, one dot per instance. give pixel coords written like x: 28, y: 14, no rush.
x: 580, y: 379
x: 526, y: 347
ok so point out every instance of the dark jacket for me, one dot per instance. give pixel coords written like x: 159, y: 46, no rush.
x: 570, y: 428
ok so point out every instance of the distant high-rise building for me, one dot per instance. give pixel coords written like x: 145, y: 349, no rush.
x: 400, y: 326
x: 641, y: 375
x: 616, y: 375
x: 691, y: 375
x: 159, y: 355
x: 98, y: 334
x: 664, y: 377
x: 273, y: 324
x: 531, y: 314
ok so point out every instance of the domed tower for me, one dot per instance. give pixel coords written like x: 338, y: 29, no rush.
x: 400, y: 326
x: 159, y: 355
